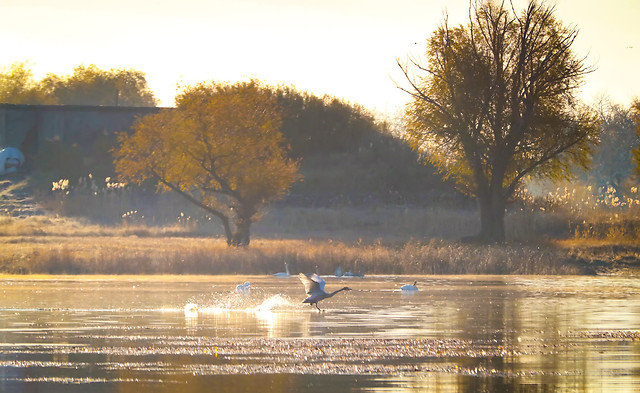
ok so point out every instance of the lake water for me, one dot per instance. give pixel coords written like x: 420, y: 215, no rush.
x: 195, y: 334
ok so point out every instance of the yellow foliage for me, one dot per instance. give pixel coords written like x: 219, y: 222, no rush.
x: 221, y: 148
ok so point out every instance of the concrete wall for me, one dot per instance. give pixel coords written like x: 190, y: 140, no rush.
x: 27, y: 126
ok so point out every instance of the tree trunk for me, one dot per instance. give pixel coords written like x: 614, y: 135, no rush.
x: 492, y: 211
x: 227, y: 229
x: 242, y: 235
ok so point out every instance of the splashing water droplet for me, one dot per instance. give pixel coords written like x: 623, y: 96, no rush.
x: 191, y: 309
x: 275, y: 302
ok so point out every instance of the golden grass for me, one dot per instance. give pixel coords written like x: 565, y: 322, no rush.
x: 61, y: 226
x: 8, y: 187
x: 625, y: 229
x: 184, y: 255
x: 386, y: 223
x: 391, y: 240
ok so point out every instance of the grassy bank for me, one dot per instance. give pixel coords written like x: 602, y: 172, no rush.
x: 62, y: 246
x: 173, y: 255
x: 378, y: 240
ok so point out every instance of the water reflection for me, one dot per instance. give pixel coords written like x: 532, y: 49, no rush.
x: 186, y: 334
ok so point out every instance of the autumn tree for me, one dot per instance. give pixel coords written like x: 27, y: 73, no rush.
x: 18, y: 86
x: 495, y: 103
x: 86, y: 86
x: 89, y: 85
x: 221, y: 149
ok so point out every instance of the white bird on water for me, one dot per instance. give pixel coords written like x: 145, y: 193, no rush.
x: 285, y: 273
x: 243, y: 288
x: 410, y: 287
x: 314, y: 287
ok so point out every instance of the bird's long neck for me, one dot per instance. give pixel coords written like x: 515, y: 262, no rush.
x: 334, y: 292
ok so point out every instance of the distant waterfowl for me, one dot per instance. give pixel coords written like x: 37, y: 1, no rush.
x: 338, y: 272
x: 243, y: 288
x: 314, y: 287
x: 285, y: 273
x: 410, y: 287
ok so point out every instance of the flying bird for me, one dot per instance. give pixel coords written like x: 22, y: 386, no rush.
x: 314, y: 287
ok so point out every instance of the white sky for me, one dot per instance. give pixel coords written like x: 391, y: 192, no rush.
x: 345, y: 48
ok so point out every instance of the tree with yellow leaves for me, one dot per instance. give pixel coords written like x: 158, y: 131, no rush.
x: 221, y: 149
x: 88, y: 85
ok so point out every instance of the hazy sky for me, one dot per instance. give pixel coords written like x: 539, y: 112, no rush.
x: 345, y: 48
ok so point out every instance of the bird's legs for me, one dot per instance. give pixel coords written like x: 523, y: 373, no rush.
x: 318, y: 307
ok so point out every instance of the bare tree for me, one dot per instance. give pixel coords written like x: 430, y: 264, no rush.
x: 496, y: 103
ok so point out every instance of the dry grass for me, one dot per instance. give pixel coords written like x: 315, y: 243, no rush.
x: 615, y: 229
x: 603, y: 255
x: 118, y: 254
x: 377, y: 240
x: 65, y: 227
x: 402, y: 223
x: 593, y: 214
x: 571, y: 210
x: 391, y: 223
x: 96, y: 200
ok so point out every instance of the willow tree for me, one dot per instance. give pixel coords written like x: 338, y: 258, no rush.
x: 221, y: 149
x: 496, y: 103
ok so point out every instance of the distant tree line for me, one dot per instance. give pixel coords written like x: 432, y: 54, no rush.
x: 349, y: 157
x: 321, y: 125
x: 88, y: 85
x: 612, y: 163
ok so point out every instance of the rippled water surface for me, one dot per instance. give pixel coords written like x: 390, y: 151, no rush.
x: 196, y: 334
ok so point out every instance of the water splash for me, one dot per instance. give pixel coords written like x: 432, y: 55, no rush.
x: 191, y: 310
x: 274, y: 303
x: 234, y: 302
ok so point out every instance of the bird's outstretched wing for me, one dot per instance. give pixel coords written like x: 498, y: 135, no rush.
x: 319, y: 280
x: 311, y: 286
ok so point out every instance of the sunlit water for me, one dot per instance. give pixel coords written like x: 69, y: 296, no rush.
x: 196, y: 334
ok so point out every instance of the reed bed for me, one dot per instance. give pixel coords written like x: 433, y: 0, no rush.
x: 369, y: 240
x: 173, y: 255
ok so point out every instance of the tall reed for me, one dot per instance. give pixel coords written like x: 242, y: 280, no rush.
x: 172, y: 255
